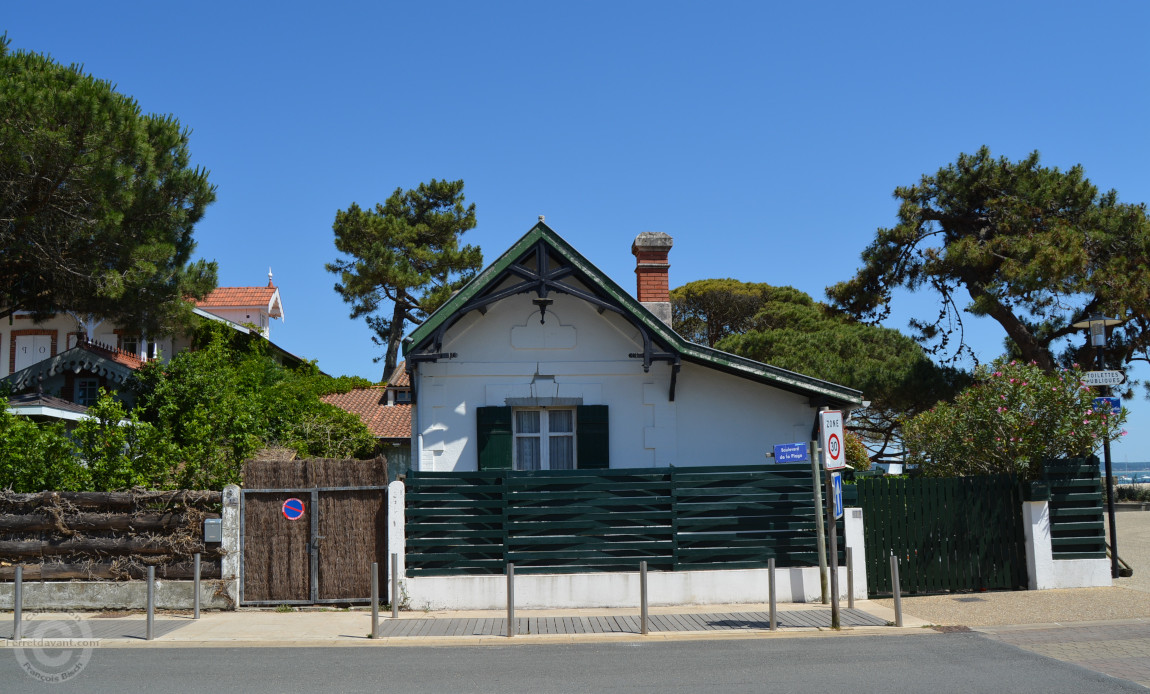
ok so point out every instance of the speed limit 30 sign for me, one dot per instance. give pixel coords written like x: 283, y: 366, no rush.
x: 831, y: 439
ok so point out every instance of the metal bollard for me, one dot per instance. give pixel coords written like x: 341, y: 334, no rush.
x: 196, y: 586
x: 394, y: 586
x: 897, y: 592
x: 18, y: 605
x: 850, y: 579
x: 511, y: 630
x: 151, y: 602
x: 771, y: 591
x: 643, y: 596
x: 375, y: 600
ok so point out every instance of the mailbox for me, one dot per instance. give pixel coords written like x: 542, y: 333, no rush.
x: 213, y: 530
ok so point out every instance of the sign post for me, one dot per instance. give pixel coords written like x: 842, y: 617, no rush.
x: 820, y: 541
x: 834, y: 457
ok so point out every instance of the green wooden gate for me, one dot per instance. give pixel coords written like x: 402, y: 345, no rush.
x: 949, y: 534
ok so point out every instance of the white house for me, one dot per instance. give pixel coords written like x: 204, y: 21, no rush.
x: 543, y: 362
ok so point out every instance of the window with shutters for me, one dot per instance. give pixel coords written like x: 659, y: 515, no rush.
x: 544, y: 439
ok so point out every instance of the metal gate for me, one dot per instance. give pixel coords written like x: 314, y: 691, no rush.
x: 322, y: 556
x: 949, y: 534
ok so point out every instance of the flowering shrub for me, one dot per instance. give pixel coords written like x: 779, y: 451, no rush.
x: 857, y: 455
x: 1012, y: 418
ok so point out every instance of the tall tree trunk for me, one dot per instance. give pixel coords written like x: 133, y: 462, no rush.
x: 394, y: 337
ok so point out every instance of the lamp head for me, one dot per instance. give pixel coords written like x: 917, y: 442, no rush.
x: 1097, y: 324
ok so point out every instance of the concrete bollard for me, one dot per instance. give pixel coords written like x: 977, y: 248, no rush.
x: 897, y: 592
x: 511, y: 626
x: 18, y: 605
x: 850, y: 579
x: 643, y: 596
x: 196, y: 586
x: 375, y: 600
x: 151, y: 603
x: 771, y: 592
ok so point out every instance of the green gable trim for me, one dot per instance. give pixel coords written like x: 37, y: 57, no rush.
x: 817, y: 389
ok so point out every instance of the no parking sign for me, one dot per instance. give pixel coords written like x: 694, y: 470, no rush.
x: 293, y: 509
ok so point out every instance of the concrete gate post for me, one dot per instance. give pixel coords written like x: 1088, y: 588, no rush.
x: 230, y: 563
x: 396, y: 540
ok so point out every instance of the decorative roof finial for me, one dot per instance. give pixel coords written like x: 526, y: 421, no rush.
x: 541, y: 218
x: 270, y: 277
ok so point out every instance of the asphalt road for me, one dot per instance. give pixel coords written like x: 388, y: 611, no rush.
x: 939, y: 663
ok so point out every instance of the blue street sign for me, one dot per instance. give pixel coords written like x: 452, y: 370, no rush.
x: 1115, y: 404
x: 791, y: 453
x: 293, y: 509
x: 837, y: 483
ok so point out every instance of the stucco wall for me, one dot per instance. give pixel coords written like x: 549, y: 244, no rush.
x: 581, y: 356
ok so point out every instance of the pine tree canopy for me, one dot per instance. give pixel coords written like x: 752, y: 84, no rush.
x: 97, y: 201
x: 1034, y: 248
x: 404, y: 258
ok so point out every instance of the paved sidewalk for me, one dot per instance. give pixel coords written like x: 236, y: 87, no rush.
x: 345, y: 628
x: 1116, y: 648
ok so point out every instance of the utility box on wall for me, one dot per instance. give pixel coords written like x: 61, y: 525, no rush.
x: 213, y: 530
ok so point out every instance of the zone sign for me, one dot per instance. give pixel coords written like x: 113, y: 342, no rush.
x: 831, y: 439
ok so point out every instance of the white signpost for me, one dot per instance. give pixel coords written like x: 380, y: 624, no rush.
x: 1103, y: 378
x: 831, y: 439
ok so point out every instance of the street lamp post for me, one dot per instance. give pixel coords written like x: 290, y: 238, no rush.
x: 1097, y: 324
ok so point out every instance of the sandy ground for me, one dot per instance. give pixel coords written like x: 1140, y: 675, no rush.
x: 1128, y: 599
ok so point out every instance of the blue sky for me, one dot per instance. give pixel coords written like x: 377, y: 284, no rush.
x: 766, y: 138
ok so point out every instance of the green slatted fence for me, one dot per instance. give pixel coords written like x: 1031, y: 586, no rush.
x: 1077, y: 530
x: 950, y: 534
x: 608, y: 520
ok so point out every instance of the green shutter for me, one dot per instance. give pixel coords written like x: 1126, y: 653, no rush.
x: 593, y: 443
x: 493, y: 428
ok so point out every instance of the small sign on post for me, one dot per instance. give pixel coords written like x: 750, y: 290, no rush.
x: 1103, y: 378
x: 831, y: 439
x: 1112, y: 404
x: 837, y: 483
x: 790, y: 453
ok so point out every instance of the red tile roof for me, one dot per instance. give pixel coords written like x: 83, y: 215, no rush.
x: 234, y: 297
x: 115, y: 354
x: 370, y: 404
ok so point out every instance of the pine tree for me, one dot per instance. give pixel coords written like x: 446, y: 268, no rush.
x: 405, y: 258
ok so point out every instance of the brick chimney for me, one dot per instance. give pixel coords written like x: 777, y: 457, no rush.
x: 651, y: 273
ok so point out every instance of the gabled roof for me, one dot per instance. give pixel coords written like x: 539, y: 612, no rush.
x: 264, y: 298
x: 40, y: 405
x: 370, y: 404
x: 608, y: 294
x: 113, y: 364
x: 399, y: 378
